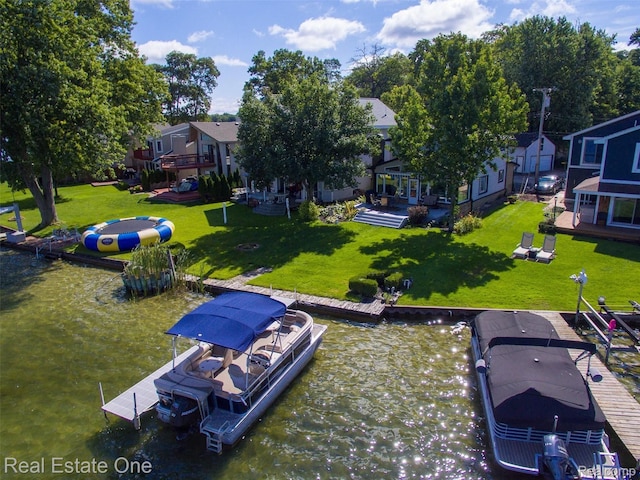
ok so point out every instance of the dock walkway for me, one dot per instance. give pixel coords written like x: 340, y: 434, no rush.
x: 145, y: 393
x: 620, y: 408
x: 373, y: 309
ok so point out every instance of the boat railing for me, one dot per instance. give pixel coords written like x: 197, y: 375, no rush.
x: 587, y: 437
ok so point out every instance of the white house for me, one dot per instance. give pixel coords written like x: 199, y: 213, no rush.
x: 525, y: 154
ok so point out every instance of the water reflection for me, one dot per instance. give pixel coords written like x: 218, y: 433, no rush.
x: 393, y: 400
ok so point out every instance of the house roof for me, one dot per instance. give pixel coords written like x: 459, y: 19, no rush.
x: 226, y: 132
x: 170, y: 129
x: 525, y: 139
x: 589, y: 185
x: 599, y: 125
x: 385, y: 117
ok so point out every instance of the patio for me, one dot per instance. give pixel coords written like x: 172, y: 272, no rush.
x: 563, y: 224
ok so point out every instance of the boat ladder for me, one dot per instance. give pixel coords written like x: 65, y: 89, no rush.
x: 607, y: 466
x: 214, y: 442
x: 214, y: 435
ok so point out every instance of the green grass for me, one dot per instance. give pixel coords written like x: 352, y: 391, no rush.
x: 474, y: 270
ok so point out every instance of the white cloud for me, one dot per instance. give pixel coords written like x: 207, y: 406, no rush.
x: 224, y: 104
x: 231, y: 62
x: 258, y: 33
x: 433, y: 17
x: 162, y: 3
x: 156, y: 51
x: 547, y: 8
x: 199, y: 36
x: 317, y: 34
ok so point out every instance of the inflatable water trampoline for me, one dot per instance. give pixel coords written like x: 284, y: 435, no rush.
x: 123, y: 234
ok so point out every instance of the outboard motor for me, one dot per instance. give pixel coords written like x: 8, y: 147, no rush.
x: 184, y: 412
x: 557, y: 464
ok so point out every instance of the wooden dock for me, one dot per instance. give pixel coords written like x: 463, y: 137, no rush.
x: 145, y: 393
x: 620, y: 408
x: 329, y: 306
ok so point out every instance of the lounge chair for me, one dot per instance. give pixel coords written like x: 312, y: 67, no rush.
x: 525, y: 245
x: 548, y: 250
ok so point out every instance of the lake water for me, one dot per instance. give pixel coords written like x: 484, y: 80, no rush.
x: 393, y: 400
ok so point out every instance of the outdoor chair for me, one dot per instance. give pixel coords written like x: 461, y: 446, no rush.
x: 548, y: 250
x: 525, y: 245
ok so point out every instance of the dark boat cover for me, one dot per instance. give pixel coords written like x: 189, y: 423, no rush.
x: 529, y: 385
x: 232, y: 320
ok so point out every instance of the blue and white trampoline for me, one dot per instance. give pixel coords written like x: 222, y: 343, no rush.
x: 124, y: 234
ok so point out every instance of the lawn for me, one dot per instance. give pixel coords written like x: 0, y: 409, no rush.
x: 474, y: 270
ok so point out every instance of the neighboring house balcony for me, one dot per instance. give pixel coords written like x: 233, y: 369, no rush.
x: 173, y: 162
x: 143, y: 154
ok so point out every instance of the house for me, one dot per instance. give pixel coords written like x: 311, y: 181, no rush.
x: 392, y: 177
x: 148, y: 157
x: 384, y: 119
x: 603, y: 174
x: 525, y: 154
x: 217, y: 141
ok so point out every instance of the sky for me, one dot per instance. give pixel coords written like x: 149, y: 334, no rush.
x: 233, y: 31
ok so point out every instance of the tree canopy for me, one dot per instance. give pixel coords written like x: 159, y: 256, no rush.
x: 577, y: 61
x: 459, y: 115
x: 271, y: 75
x: 305, y: 129
x: 191, y: 82
x: 375, y: 73
x: 74, y: 92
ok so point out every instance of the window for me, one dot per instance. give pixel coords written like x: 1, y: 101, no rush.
x: 635, y: 167
x: 591, y: 152
x: 158, y: 146
x: 463, y: 193
x: 483, y: 184
x: 501, y: 175
x: 627, y: 211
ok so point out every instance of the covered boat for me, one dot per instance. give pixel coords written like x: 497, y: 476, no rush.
x: 247, y: 349
x: 541, y: 415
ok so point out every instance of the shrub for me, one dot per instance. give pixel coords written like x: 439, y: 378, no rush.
x: 363, y: 286
x: 145, y: 180
x: 377, y: 276
x: 394, y: 281
x: 308, y: 211
x: 467, y: 224
x: 338, y: 212
x: 547, y: 226
x: 418, y: 214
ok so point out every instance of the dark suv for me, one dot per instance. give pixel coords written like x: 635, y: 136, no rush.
x: 549, y: 184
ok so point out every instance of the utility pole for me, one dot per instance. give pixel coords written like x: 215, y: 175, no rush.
x: 546, y: 101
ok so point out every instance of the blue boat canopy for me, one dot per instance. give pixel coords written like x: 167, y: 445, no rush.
x: 232, y: 320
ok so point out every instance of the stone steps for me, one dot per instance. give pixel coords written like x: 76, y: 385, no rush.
x: 381, y: 219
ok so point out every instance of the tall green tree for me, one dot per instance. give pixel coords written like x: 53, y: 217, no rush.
x: 271, y: 74
x: 191, y: 82
x: 575, y: 59
x: 459, y: 116
x: 374, y: 73
x: 309, y: 131
x: 74, y: 91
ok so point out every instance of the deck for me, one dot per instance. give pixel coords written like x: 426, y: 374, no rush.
x: 620, y: 408
x: 145, y: 393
